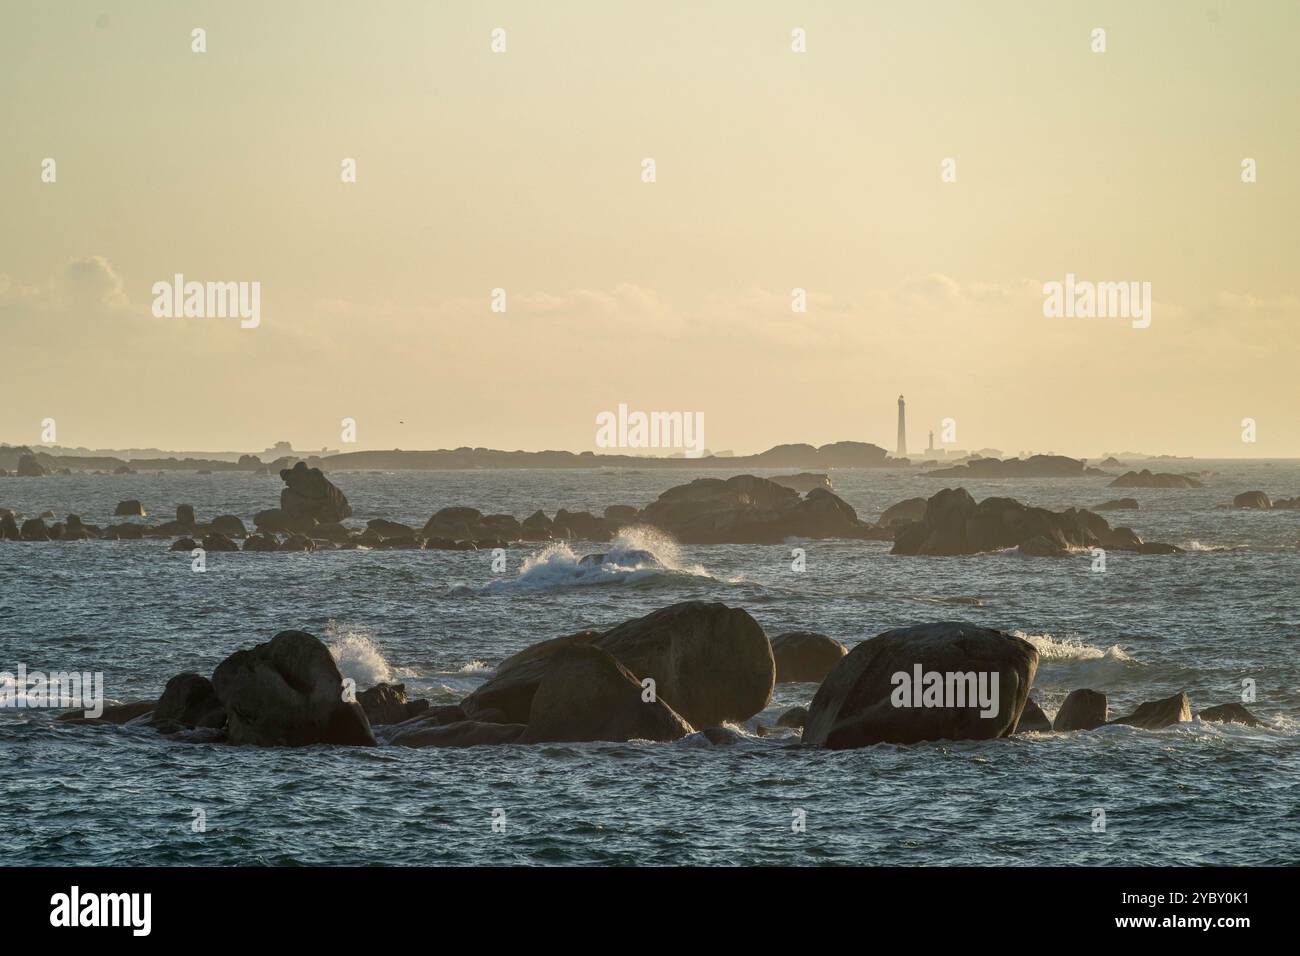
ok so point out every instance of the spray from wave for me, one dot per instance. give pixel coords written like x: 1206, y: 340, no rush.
x: 638, y: 555
x: 1071, y: 649
x: 358, y: 657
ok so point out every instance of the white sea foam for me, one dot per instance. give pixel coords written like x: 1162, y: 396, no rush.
x: 1071, y: 649
x: 358, y: 657
x: 639, y: 553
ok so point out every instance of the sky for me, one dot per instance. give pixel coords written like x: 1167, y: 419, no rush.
x: 775, y: 170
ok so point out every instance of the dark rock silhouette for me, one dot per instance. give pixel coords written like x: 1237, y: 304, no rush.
x: 33, y: 529
x: 187, y: 701
x: 795, y: 717
x: 904, y: 512
x: 1147, y: 479
x: 288, y: 692
x: 1252, y: 499
x: 803, y: 482
x: 1156, y: 714
x: 183, y: 544
x: 585, y: 694
x: 263, y: 542
x: 805, y: 656
x: 1035, y: 466
x: 954, y: 524
x: 309, y: 494
x: 750, y: 510
x: 218, y: 542
x: 1118, y: 504
x: 388, y: 704
x: 1231, y: 714
x: 129, y: 509
x: 467, y: 733
x: 1033, y: 720
x: 1082, y: 709
x: 29, y: 467
x: 855, y: 705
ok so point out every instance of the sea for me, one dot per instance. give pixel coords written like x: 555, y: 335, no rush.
x: 1218, y: 621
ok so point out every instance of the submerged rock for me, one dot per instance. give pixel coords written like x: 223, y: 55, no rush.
x: 1156, y: 714
x: 1083, y: 709
x: 869, y: 697
x: 1252, y: 499
x: 218, y: 542
x: 805, y: 656
x: 585, y: 694
x: 467, y: 733
x: 1231, y: 714
x: 795, y: 717
x: 288, y: 692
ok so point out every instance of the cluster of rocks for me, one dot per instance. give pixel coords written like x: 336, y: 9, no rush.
x: 1087, y: 709
x: 1149, y: 479
x: 1035, y: 466
x: 220, y: 529
x: 953, y: 524
x: 1262, y: 502
x: 688, y: 668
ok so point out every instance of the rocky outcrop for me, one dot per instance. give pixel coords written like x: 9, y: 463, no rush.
x: 388, y: 704
x: 1033, y: 720
x: 1252, y: 499
x: 884, y: 690
x: 183, y: 544
x: 129, y: 509
x: 710, y: 663
x: 9, y: 530
x: 218, y: 542
x: 29, y: 467
x: 750, y: 510
x: 1035, y: 466
x: 263, y: 543
x: 1040, y: 547
x: 1156, y: 714
x: 805, y: 656
x: 309, y: 494
x: 1118, y: 504
x: 904, y: 512
x: 1147, y: 479
x: 33, y: 529
x: 1231, y: 714
x: 795, y: 718
x: 188, y: 700
x: 954, y: 524
x: 585, y: 694
x: 229, y: 525
x: 803, y: 482
x: 288, y: 692
x: 1083, y: 709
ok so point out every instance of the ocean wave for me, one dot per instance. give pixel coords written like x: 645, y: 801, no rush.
x: 358, y: 657
x: 639, y: 555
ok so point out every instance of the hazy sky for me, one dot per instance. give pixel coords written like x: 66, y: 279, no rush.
x: 775, y: 170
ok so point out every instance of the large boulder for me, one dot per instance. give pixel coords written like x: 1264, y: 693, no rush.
x: 288, y: 692
x: 805, y: 656
x: 1082, y: 709
x: 218, y: 542
x: 750, y: 510
x: 1153, y: 715
x: 1231, y: 714
x: 9, y: 530
x: 710, y: 663
x: 585, y: 694
x: 794, y: 718
x: 29, y: 467
x: 309, y: 494
x: 34, y: 529
x: 188, y: 700
x: 943, y: 681
x: 130, y: 508
x: 1252, y: 499
x: 229, y: 525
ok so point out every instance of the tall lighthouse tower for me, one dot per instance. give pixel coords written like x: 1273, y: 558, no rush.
x: 902, y: 427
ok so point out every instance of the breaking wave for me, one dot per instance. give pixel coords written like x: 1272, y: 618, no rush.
x: 639, y: 555
x: 358, y: 657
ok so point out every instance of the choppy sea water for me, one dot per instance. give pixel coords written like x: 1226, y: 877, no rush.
x: 1227, y: 610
